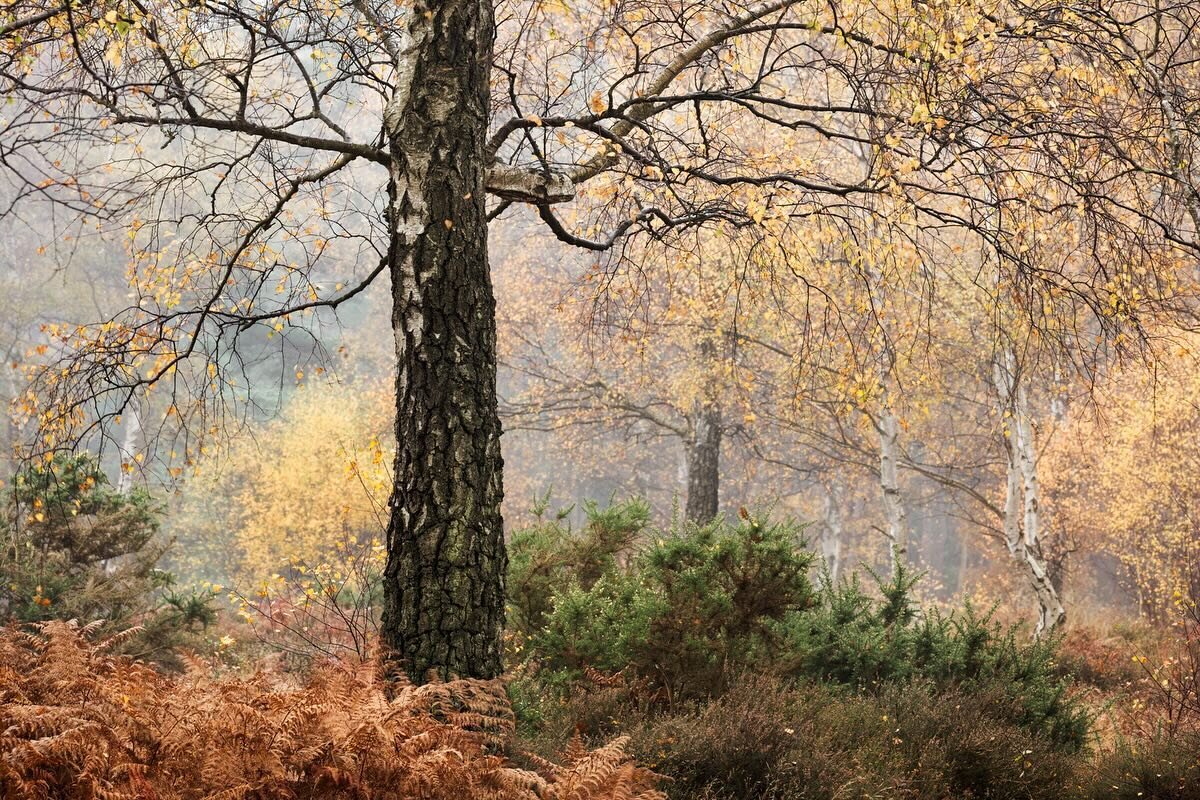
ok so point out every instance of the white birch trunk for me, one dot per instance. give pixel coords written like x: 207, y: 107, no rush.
x: 1003, y: 378
x: 130, y: 442
x: 895, y: 513
x: 831, y: 533
x: 1022, y: 515
x: 1051, y: 613
x: 1027, y: 460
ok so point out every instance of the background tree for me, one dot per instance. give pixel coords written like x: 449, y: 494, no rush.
x: 669, y: 366
x: 1123, y: 474
x: 307, y: 487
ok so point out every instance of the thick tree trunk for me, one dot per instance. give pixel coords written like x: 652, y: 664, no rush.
x: 704, y: 465
x: 444, y: 580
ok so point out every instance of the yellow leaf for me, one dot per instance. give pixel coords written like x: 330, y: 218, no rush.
x: 114, y: 54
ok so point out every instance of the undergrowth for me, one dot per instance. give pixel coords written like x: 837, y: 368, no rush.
x: 76, y: 547
x: 79, y: 723
x: 704, y: 653
x: 674, y: 616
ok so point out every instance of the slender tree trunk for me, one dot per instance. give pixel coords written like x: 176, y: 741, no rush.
x: 12, y: 433
x: 831, y: 532
x: 704, y: 464
x: 1051, y: 613
x: 132, y: 422
x: 895, y: 512
x: 444, y: 580
x: 1003, y: 378
x: 1022, y: 517
x: 1027, y: 461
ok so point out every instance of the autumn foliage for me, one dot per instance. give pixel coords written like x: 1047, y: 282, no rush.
x: 79, y: 723
x: 308, y: 486
x: 1124, y: 481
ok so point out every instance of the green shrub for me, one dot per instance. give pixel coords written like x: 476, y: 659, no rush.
x: 76, y: 548
x: 675, y: 611
x: 548, y: 555
x: 867, y: 642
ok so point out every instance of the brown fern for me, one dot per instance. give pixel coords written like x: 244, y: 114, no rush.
x: 76, y: 722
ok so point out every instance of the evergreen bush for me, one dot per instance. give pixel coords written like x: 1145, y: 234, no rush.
x: 867, y: 641
x: 75, y: 548
x: 675, y: 610
x: 676, y: 614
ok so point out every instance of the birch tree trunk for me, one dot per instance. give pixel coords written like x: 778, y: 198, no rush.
x: 831, y: 532
x: 1022, y: 514
x: 132, y: 422
x: 1002, y: 377
x: 12, y: 432
x: 443, y: 604
x: 888, y: 426
x: 1050, y: 610
x: 896, y: 514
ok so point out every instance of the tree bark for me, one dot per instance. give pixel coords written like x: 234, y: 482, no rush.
x: 888, y: 427
x: 1022, y: 513
x: 895, y: 512
x: 1003, y: 378
x: 443, y: 606
x: 1051, y: 613
x: 704, y: 465
x: 831, y: 532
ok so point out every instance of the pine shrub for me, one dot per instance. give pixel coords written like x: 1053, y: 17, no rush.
x: 674, y: 612
x: 868, y: 641
x: 76, y: 548
x: 545, y: 557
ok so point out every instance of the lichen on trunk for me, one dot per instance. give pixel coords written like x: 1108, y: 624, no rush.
x: 444, y: 580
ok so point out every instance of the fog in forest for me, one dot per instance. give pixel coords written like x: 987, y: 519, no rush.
x: 600, y: 400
